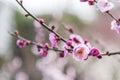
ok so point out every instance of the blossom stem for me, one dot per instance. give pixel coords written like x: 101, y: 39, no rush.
x: 110, y: 54
x: 59, y: 50
x: 110, y: 14
x: 44, y: 25
x: 34, y: 43
x: 112, y: 17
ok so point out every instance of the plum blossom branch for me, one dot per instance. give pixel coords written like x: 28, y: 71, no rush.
x: 82, y: 48
x: 42, y: 23
x: 34, y: 43
x: 55, y: 49
x: 110, y: 54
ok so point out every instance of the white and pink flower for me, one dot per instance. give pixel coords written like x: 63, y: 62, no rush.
x: 115, y: 26
x: 104, y: 5
x: 54, y: 40
x: 20, y: 43
x: 76, y: 39
x: 80, y: 52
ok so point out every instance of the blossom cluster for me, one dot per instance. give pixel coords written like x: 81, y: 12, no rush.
x: 76, y: 45
x: 105, y: 6
x: 80, y: 48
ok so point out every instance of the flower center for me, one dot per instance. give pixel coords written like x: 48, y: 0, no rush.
x: 80, y: 52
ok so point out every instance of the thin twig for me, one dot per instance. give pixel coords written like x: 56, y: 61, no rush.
x: 33, y: 42
x: 45, y: 25
x: 59, y: 50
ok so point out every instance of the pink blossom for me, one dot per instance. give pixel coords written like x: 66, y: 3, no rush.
x: 96, y: 53
x: 80, y: 52
x: 104, y: 5
x: 54, y: 40
x: 76, y: 39
x: 43, y: 52
x: 20, y: 43
x: 69, y: 42
x: 66, y: 50
x: 21, y: 76
x: 115, y: 26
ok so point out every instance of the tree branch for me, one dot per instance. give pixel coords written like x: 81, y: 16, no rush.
x: 44, y: 25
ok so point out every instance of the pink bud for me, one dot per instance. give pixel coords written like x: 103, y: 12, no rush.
x: 91, y: 2
x: 26, y: 15
x: 70, y: 29
x: 16, y: 32
x: 46, y: 45
x: 61, y: 55
x: 21, y: 1
x: 69, y: 42
x: 95, y: 52
x: 53, y: 27
x: 83, y: 0
x: 41, y: 21
x: 43, y: 52
x: 27, y: 43
x: 99, y: 56
x: 75, y: 40
x: 20, y: 43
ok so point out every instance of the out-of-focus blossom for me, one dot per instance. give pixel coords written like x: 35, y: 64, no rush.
x: 40, y: 36
x: 54, y: 40
x: 104, y: 5
x: 115, y: 26
x: 91, y: 2
x: 83, y: 0
x: 15, y: 64
x: 117, y: 0
x: 70, y: 28
x: 21, y: 76
x: 95, y: 52
x: 76, y: 39
x: 71, y: 73
x: 21, y: 1
x: 66, y: 50
x: 80, y: 52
